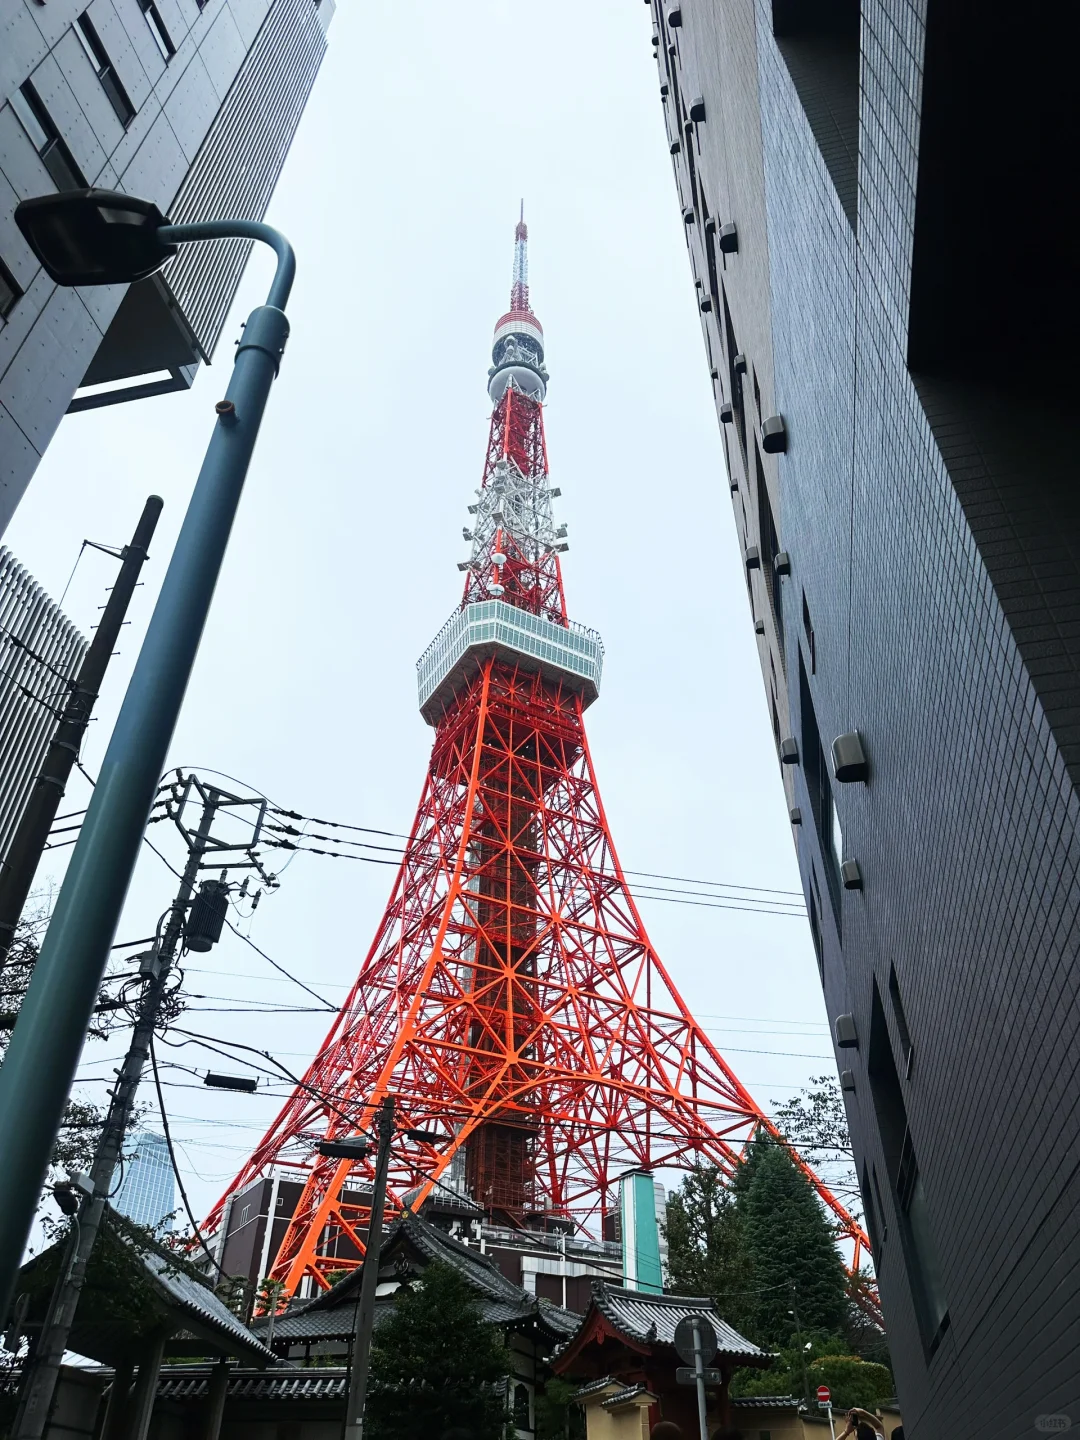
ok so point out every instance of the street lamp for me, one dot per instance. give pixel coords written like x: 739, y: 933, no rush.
x: 100, y: 237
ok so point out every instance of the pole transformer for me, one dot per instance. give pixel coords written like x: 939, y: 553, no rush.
x: 365, y: 1311
x: 44, y: 1369
x: 30, y: 839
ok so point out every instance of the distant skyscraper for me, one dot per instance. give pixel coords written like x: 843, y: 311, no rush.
x: 190, y: 103
x: 146, y: 1194
x: 40, y: 650
x: 881, y: 245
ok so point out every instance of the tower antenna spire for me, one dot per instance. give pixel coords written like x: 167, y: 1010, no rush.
x: 519, y: 290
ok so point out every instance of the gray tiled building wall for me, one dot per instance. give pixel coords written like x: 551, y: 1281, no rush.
x: 181, y: 107
x: 942, y: 634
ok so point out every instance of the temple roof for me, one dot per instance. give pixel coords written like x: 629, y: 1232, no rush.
x: 408, y: 1246
x: 651, y: 1319
x: 646, y: 1325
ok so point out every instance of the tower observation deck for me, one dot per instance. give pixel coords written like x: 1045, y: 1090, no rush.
x: 511, y: 1000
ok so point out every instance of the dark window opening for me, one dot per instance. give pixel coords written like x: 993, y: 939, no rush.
x: 819, y: 784
x: 880, y: 1204
x: 103, y: 68
x: 819, y: 40
x: 870, y: 1210
x: 770, y: 548
x: 734, y: 377
x: 811, y: 639
x: 46, y: 139
x: 757, y: 391
x: 919, y: 1245
x: 907, y: 1049
x: 710, y: 250
x: 162, y: 38
x: 775, y: 721
x: 10, y: 291
x: 815, y: 926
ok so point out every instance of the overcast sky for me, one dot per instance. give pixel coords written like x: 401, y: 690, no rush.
x: 427, y: 124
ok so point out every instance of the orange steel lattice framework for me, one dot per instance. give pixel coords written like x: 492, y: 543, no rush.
x: 511, y: 999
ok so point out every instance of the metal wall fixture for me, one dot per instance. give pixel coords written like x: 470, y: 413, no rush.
x: 752, y: 557
x: 782, y: 563
x: 675, y: 147
x: 789, y: 751
x: 739, y: 364
x: 674, y: 18
x: 706, y: 304
x: 850, y: 764
x: 727, y: 414
x: 729, y: 238
x: 688, y: 215
x: 851, y: 875
x: 759, y: 627
x: 847, y: 1080
x: 697, y: 110
x: 774, y: 435
x: 847, y: 1037
x: 795, y: 815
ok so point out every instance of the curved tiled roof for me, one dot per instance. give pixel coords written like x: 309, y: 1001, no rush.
x: 321, y: 1384
x: 762, y: 1402
x: 651, y: 1319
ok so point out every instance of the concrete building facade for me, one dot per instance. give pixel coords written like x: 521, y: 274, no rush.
x: 158, y: 98
x: 875, y: 220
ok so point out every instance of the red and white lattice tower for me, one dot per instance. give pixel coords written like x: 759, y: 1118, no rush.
x: 511, y: 999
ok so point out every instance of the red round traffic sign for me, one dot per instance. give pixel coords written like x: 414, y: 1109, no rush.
x: 823, y: 1394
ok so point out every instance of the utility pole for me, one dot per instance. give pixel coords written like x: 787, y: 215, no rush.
x: 365, y: 1311
x: 32, y: 835
x: 44, y: 1370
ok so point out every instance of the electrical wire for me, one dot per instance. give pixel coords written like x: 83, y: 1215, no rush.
x: 172, y: 1158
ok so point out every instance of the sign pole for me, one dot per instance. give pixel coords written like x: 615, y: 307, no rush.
x: 832, y: 1427
x: 699, y: 1378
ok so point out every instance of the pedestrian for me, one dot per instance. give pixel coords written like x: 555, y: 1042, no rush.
x: 862, y: 1425
x: 666, y: 1430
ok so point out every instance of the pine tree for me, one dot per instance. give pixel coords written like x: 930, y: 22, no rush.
x: 436, y: 1365
x: 707, y: 1252
x: 790, y: 1243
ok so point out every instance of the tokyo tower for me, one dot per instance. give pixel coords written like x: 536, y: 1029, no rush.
x: 511, y: 999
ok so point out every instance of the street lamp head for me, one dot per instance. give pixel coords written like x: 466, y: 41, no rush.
x: 94, y: 237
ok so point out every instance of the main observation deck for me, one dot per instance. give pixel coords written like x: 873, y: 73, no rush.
x: 572, y: 655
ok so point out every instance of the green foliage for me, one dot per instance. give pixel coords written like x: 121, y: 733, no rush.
x: 436, y: 1365
x: 707, y: 1251
x: 82, y: 1121
x: 791, y: 1248
x: 851, y: 1380
x: 117, y: 1290
x: 556, y: 1417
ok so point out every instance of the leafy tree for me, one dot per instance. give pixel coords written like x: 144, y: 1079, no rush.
x: 556, y: 1417
x: 436, y: 1364
x: 815, y: 1124
x: 851, y: 1380
x: 791, y: 1247
x: 82, y: 1120
x: 707, y: 1252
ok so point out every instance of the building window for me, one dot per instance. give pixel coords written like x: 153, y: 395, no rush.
x: 244, y: 1214
x: 920, y: 1248
x: 162, y: 38
x: 770, y: 548
x: 737, y: 405
x: 815, y: 924
x: 103, y: 68
x: 819, y: 785
x: 10, y: 291
x: 907, y: 1049
x: 45, y: 138
x: 808, y: 631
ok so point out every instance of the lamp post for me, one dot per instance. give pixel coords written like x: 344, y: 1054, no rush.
x: 97, y: 237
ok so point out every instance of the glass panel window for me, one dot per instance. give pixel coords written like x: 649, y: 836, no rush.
x: 10, y: 291
x: 162, y: 38
x: 103, y: 68
x: 46, y: 139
